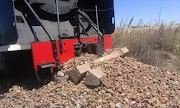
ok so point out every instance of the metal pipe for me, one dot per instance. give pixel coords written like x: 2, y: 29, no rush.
x: 37, y: 17
x: 97, y: 19
x: 97, y: 22
x: 89, y: 21
x: 58, y: 21
x: 96, y: 29
x: 37, y: 76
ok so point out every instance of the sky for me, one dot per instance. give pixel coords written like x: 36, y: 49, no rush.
x: 147, y: 10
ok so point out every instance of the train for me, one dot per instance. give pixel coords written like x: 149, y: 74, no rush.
x: 47, y: 33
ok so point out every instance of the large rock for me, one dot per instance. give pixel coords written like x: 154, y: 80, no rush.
x: 115, y: 54
x: 124, y: 50
x: 78, y: 73
x: 93, y: 77
x: 60, y: 74
x: 60, y: 79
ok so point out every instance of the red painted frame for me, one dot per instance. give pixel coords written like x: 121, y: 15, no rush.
x: 42, y: 51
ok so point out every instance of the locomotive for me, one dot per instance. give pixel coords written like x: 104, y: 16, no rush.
x: 47, y: 33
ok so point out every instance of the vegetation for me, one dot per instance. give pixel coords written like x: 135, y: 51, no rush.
x: 155, y: 45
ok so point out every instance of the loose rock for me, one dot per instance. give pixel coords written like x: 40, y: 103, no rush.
x: 112, y: 105
x: 147, y: 85
x: 105, y: 82
x: 118, y: 105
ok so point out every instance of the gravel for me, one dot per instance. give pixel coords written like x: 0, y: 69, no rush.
x: 128, y: 83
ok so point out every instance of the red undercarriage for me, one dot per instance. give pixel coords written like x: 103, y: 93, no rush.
x: 43, y: 51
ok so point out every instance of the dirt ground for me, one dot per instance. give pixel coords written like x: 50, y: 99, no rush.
x: 129, y: 83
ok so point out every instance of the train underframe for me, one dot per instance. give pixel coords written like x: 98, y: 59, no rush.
x: 49, y: 54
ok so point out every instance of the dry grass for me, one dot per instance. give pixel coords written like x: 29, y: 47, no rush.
x: 151, y: 45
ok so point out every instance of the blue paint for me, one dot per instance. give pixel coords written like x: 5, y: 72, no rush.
x: 8, y: 33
